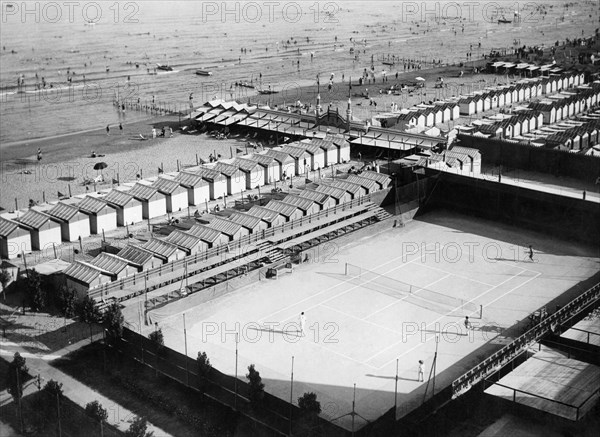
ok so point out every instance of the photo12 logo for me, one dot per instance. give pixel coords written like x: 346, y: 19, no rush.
x: 90, y: 13
x: 269, y: 12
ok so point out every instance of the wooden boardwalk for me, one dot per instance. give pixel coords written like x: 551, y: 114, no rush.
x: 550, y: 382
x: 585, y: 331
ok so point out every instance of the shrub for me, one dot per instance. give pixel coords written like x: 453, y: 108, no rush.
x: 256, y: 389
x: 96, y: 411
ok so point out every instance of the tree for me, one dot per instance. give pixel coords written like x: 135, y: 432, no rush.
x: 114, y: 321
x: 308, y: 404
x: 54, y: 388
x: 65, y: 301
x: 4, y: 279
x: 89, y: 312
x: 96, y: 411
x: 204, y: 368
x: 35, y: 292
x: 256, y: 389
x: 157, y: 337
x: 138, y: 428
x: 17, y: 373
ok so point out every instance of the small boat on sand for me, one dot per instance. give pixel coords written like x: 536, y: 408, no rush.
x: 164, y: 67
x: 203, y: 73
x: 503, y: 20
x: 266, y: 91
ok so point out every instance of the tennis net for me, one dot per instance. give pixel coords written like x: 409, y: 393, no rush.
x: 432, y: 300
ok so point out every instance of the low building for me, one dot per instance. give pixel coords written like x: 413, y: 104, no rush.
x: 139, y: 258
x: 167, y: 252
x: 323, y: 200
x: 233, y: 230
x: 271, y: 218
x: 290, y: 212
x: 154, y: 204
x: 117, y: 266
x: 187, y: 242
x: 175, y: 194
x: 307, y: 206
x: 15, y: 239
x: 210, y: 236
x: 198, y: 191
x: 129, y: 209
x: 81, y: 277
x: 74, y: 224
x: 45, y: 230
x: 235, y: 177
x: 102, y: 215
x: 251, y: 223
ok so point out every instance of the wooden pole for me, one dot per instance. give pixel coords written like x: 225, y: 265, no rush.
x: 69, y: 185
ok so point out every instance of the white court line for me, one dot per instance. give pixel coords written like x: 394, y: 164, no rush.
x: 426, y: 340
x: 459, y: 276
x: 445, y: 315
x: 335, y: 286
x: 362, y: 320
x: 405, y: 297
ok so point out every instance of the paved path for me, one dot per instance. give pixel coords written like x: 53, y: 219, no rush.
x: 118, y: 415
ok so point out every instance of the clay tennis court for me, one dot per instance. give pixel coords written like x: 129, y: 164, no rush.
x: 358, y: 328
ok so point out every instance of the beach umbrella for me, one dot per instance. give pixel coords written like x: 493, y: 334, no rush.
x: 420, y: 79
x: 100, y: 166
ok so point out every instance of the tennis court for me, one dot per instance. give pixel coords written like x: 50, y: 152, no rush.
x: 380, y: 303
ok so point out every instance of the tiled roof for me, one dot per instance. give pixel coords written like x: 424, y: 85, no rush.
x: 142, y: 192
x: 135, y: 255
x: 110, y: 263
x: 190, y: 179
x: 7, y: 227
x: 63, y: 211
x: 160, y: 247
x: 166, y: 186
x: 118, y: 198
x: 34, y: 219
x: 246, y: 220
x: 226, y: 227
x: 92, y: 205
x: 183, y: 239
x: 205, y: 233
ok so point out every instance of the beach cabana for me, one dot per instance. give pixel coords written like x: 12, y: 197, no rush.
x: 74, y: 224
x: 271, y: 166
x: 154, y: 204
x: 340, y: 195
x: 14, y: 239
x: 287, y: 164
x: 290, y: 212
x: 217, y: 183
x: 233, y: 230
x: 317, y: 154
x: 307, y: 206
x: 270, y: 217
x: 129, y: 209
x: 187, y: 242
x: 167, y: 252
x: 446, y: 112
x: 198, y: 191
x: 45, y: 230
x: 176, y: 195
x: 467, y: 106
x: 139, y: 258
x: 80, y: 277
x: 301, y: 158
x: 323, y: 200
x: 117, y: 266
x: 355, y: 190
x: 251, y: 223
x: 382, y: 180
x: 234, y: 176
x: 210, y: 236
x: 102, y: 215
x: 255, y: 174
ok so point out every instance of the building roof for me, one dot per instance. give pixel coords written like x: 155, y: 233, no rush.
x: 118, y: 198
x: 183, y: 240
x: 315, y: 196
x: 279, y: 156
x: 190, y: 179
x: 367, y: 183
x: 282, y: 208
x: 336, y: 193
x: 205, y: 233
x: 34, y: 219
x: 83, y: 272
x: 299, y: 202
x: 246, y: 220
x: 92, y: 205
x: 110, y: 263
x: 63, y: 212
x: 310, y: 147
x: 226, y: 169
x: 469, y: 151
x: 293, y: 151
x: 381, y: 178
x: 327, y: 144
x: 245, y: 165
x: 161, y: 248
x: 208, y: 173
x: 7, y: 227
x: 166, y: 186
x: 264, y: 160
x: 143, y: 192
x: 224, y: 226
x: 267, y: 215
x: 344, y: 185
x: 135, y: 255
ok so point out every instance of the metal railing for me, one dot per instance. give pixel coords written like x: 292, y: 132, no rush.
x: 139, y: 280
x: 510, y: 351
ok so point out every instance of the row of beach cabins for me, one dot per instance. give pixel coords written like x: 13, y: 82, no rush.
x: 44, y: 226
x: 451, y: 109
x: 222, y: 229
x: 547, y: 122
